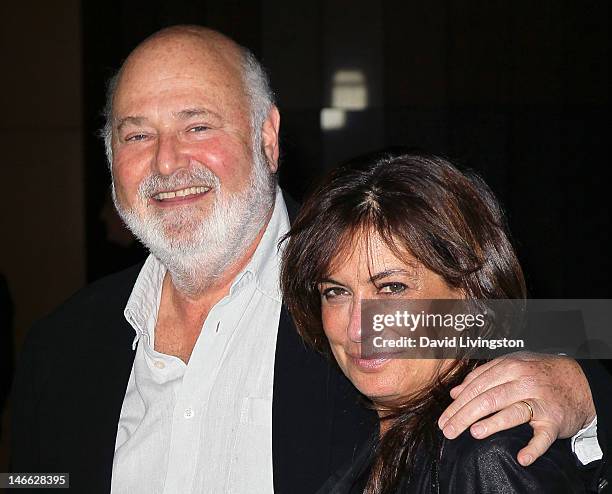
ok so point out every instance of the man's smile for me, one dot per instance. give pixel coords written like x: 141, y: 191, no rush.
x: 181, y: 195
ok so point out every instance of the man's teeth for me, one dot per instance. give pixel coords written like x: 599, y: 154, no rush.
x: 181, y: 193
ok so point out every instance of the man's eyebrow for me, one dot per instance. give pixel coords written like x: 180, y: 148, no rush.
x: 188, y: 113
x: 134, y: 120
x: 185, y: 114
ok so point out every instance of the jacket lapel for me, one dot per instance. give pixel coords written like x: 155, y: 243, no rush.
x: 302, y: 408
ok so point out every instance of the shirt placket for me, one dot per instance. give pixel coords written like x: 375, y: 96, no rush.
x: 189, y: 422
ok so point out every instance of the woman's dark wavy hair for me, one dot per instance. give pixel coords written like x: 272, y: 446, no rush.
x: 417, y: 203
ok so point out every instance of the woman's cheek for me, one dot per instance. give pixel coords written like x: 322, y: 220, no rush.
x: 335, y: 320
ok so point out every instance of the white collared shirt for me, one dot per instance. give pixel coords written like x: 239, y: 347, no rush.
x: 205, y: 426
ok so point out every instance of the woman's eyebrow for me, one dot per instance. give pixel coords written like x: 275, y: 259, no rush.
x: 384, y: 274
x: 330, y: 280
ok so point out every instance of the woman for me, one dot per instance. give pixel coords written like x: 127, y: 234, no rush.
x: 396, y: 226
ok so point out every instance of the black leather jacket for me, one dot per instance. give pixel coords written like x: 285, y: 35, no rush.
x: 467, y: 465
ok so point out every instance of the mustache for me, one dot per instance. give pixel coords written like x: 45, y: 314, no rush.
x: 183, y: 178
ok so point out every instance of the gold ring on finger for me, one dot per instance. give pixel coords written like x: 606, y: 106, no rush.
x: 530, y: 409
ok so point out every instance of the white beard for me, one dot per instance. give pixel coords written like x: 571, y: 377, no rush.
x: 198, y: 246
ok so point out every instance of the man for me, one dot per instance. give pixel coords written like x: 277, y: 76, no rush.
x: 220, y: 395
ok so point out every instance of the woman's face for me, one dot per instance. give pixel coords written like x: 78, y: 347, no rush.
x: 371, y: 271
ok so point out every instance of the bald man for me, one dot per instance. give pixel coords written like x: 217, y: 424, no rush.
x: 185, y: 374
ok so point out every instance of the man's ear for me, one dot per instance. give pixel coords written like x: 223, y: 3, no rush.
x: 269, y: 138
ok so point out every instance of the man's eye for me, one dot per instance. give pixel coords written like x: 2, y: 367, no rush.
x: 198, y: 128
x: 394, y: 287
x: 136, y: 137
x: 334, y: 293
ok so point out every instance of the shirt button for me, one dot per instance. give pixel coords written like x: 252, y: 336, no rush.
x: 188, y: 413
x: 159, y: 364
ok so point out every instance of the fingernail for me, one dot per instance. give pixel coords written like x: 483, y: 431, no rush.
x: 449, y: 431
x: 527, y: 460
x: 442, y: 422
x: 478, y: 430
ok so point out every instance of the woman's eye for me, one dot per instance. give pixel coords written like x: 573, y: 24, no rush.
x: 333, y: 293
x: 392, y: 288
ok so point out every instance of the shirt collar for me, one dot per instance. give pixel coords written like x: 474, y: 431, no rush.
x: 264, y: 267
x: 141, y: 308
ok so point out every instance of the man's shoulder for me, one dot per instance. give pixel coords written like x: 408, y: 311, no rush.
x: 111, y: 290
x: 95, y: 306
x: 292, y: 205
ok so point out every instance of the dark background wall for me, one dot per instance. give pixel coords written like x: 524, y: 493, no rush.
x: 517, y: 90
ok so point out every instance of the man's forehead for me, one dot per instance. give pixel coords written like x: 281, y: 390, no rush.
x: 180, y: 96
x: 178, y: 73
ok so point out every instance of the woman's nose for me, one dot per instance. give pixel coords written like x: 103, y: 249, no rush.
x: 354, y: 323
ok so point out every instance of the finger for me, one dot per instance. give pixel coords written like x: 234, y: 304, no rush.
x: 476, y: 387
x: 544, y: 434
x: 491, y: 401
x: 516, y: 414
x: 474, y: 374
x: 504, y: 359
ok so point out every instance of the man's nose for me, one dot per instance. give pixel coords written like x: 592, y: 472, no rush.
x: 169, y: 157
x: 354, y: 325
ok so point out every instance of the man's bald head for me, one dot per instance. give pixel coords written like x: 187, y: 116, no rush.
x: 191, y: 44
x: 208, y: 38
x: 170, y: 50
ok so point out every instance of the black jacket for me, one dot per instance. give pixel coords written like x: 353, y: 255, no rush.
x: 467, y: 465
x: 73, y: 373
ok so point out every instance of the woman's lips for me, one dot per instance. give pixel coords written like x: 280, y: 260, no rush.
x: 373, y: 362
x: 369, y: 364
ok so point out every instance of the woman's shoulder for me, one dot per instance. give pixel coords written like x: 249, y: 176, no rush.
x: 489, y: 465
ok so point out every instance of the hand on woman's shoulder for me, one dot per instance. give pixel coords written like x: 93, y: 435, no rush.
x: 489, y: 465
